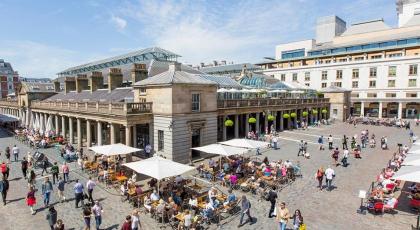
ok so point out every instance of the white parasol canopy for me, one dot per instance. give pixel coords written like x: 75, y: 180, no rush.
x: 246, y: 143
x: 414, y: 149
x: 113, y: 149
x: 413, y: 159
x: 417, y: 143
x: 49, y: 125
x: 223, y: 150
x: 222, y: 90
x: 408, y: 173
x: 158, y: 167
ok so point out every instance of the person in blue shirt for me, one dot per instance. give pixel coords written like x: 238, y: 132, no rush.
x: 230, y: 199
x: 78, y: 193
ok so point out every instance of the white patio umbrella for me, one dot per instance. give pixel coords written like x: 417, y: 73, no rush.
x: 113, y: 149
x: 415, y: 149
x: 223, y: 150
x: 417, y: 143
x: 31, y: 121
x: 246, y: 143
x: 159, y: 168
x: 408, y: 173
x: 48, y: 126
x: 413, y: 159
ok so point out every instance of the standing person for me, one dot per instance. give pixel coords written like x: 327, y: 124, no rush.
x: 320, y: 177
x: 60, y: 188
x: 245, y: 210
x: 4, y: 187
x: 345, y: 157
x: 31, y: 199
x: 97, y: 212
x: 282, y: 216
x: 90, y: 185
x: 52, y: 217
x: 7, y: 153
x: 78, y: 193
x: 301, y: 146
x: 127, y: 223
x: 275, y: 140
x: 65, y: 169
x: 334, y: 155
x: 15, y: 151
x: 297, y: 220
x: 329, y: 175
x: 330, y: 142
x: 31, y: 178
x: 321, y: 142
x: 344, y: 141
x: 54, y: 171
x: 148, y: 150
x: 24, y: 164
x: 272, y: 196
x: 44, y: 164
x: 59, y: 225
x: 3, y: 168
x: 135, y: 219
x: 46, y: 189
x: 86, y: 218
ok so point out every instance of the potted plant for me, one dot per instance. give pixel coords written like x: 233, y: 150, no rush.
x: 304, y: 113
x: 286, y: 116
x: 252, y: 120
x: 324, y: 111
x: 270, y: 118
x: 228, y: 123
x: 293, y: 115
x: 314, y: 111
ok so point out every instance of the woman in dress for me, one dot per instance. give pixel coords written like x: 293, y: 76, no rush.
x: 31, y: 199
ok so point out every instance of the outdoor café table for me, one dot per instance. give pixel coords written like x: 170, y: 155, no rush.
x: 132, y: 191
x: 221, y: 197
x: 180, y: 216
x: 267, y: 178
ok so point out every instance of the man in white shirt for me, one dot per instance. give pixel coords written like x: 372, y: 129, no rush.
x: 345, y: 157
x: 288, y: 164
x: 178, y: 179
x: 154, y: 196
x: 90, y: 185
x: 148, y: 150
x: 15, y: 151
x: 275, y: 140
x: 329, y: 175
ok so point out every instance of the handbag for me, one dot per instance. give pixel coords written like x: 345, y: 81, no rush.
x: 302, y: 227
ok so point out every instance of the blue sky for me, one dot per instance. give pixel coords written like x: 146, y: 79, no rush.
x: 42, y: 37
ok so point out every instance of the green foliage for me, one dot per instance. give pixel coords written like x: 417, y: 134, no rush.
x: 324, y: 111
x: 271, y: 118
x: 314, y: 111
x: 228, y: 123
x: 305, y: 114
x: 286, y: 115
x: 293, y: 115
x: 252, y: 120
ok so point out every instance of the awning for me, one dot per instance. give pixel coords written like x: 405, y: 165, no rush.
x: 408, y: 173
x: 5, y: 118
x: 223, y: 150
x: 114, y: 149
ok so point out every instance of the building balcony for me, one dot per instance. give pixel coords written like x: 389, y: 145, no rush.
x: 114, y: 108
x: 270, y: 102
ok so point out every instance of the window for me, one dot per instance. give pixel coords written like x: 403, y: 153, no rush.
x: 294, y: 77
x: 160, y: 140
x: 195, y: 102
x: 355, y: 73
x: 412, y: 82
x: 142, y: 91
x: 376, y: 57
x: 411, y: 95
x: 324, y: 75
x: 372, y: 84
x: 337, y: 83
x: 307, y: 84
x: 327, y: 61
x: 292, y: 53
x: 307, y: 76
x: 335, y: 112
x: 359, y: 58
x: 324, y: 85
x: 395, y: 55
x: 390, y: 95
x: 391, y: 83
x: 339, y: 74
x: 371, y: 95
x: 342, y: 60
x: 412, y: 70
x: 283, y: 77
x: 372, y: 72
x: 356, y: 95
x: 355, y: 84
x: 392, y: 71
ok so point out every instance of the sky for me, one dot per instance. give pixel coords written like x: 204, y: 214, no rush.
x: 41, y: 38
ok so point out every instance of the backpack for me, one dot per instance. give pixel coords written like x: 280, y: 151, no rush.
x: 3, y: 168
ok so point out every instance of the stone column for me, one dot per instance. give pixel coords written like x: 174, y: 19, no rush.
x: 63, y: 126
x: 281, y: 121
x: 71, y: 133
x: 99, y: 131
x: 112, y: 133
x: 128, y: 139
x: 257, y: 124
x: 28, y: 117
x: 151, y: 136
x: 246, y: 124
x: 380, y: 110
x: 41, y: 123
x: 400, y: 110
x: 275, y: 121
x: 88, y: 134
x: 236, y: 124
x: 134, y: 136
x: 57, y: 129
x: 266, y: 122
x: 79, y: 133
x: 224, y: 128
x: 362, y: 109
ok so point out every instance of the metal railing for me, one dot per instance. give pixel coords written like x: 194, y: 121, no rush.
x: 264, y: 102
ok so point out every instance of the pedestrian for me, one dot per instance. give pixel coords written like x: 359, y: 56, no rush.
x: 7, y: 153
x: 52, y: 217
x: 334, y: 155
x: 345, y: 157
x: 136, y: 224
x: 59, y: 225
x: 78, y: 193
x: 344, y: 141
x: 46, y: 190
x: 127, y: 223
x: 54, y: 171
x: 31, y: 199
x: 301, y: 146
x: 31, y: 178
x: 330, y: 142
x: 275, y: 140
x: 86, y: 214
x: 44, y: 165
x: 97, y: 212
x: 329, y: 175
x: 4, y: 169
x: 282, y: 216
x: 148, y: 150
x: 65, y: 169
x: 297, y: 220
x: 321, y: 142
x: 272, y: 196
x: 245, y: 210
x: 320, y: 177
x: 90, y: 185
x: 24, y: 164
x: 60, y: 189
x: 4, y: 187
x: 15, y: 151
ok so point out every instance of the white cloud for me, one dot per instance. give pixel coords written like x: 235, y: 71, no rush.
x: 118, y: 22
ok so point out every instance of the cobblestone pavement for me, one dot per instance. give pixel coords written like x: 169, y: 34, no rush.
x: 320, y: 209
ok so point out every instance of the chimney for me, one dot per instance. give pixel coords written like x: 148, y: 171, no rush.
x: 57, y: 87
x: 202, y: 64
x: 175, y: 66
x: 82, y: 83
x: 223, y: 62
x: 214, y: 63
x: 69, y: 84
x: 115, y: 78
x: 96, y: 81
x: 138, y: 73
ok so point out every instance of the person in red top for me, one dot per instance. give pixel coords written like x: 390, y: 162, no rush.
x: 127, y: 223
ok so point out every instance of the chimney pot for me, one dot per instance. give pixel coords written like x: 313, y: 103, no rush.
x: 69, y: 84
x: 138, y: 73
x: 96, y: 81
x: 175, y: 66
x: 115, y: 78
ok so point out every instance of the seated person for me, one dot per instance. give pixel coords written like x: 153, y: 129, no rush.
x: 215, y: 202
x: 212, y: 193
x: 43, y: 143
x: 154, y: 196
x: 147, y: 203
x: 212, y: 163
x: 267, y: 171
x: 187, y: 219
x: 138, y: 190
x: 208, y: 211
x: 233, y: 180
x: 152, y: 183
x: 178, y: 180
x: 193, y: 203
x: 226, y: 167
x: 390, y: 203
x: 161, y: 207
x: 230, y: 199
